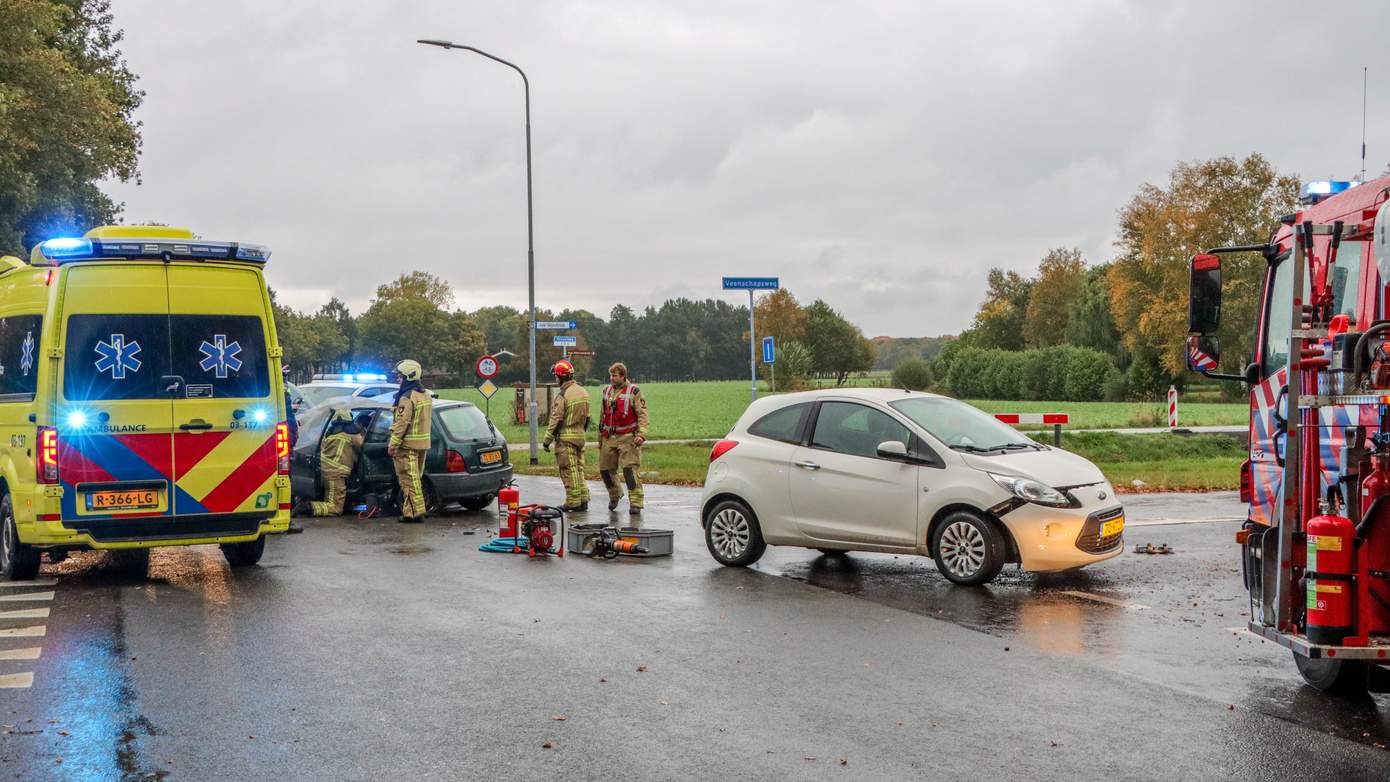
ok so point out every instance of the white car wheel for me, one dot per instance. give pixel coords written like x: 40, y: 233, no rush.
x: 732, y: 534
x: 967, y: 549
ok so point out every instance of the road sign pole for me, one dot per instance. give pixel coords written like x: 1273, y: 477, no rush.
x: 752, y: 349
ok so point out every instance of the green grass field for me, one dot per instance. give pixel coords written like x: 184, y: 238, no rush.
x: 1160, y: 461
x: 685, y: 411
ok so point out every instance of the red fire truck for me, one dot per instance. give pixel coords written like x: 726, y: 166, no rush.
x: 1316, y: 544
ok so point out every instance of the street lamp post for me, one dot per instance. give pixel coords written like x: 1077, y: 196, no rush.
x: 530, y: 234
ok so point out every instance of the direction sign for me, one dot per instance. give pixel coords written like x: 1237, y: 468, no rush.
x: 582, y: 353
x: 566, y: 342
x: 751, y: 283
x: 556, y: 325
x: 487, y: 389
x: 487, y: 367
x: 769, y: 351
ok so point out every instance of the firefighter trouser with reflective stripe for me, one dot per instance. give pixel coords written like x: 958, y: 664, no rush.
x: 621, y: 451
x: 569, y: 457
x: 334, y: 495
x: 410, y: 474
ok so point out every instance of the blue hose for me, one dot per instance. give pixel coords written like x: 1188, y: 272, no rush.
x: 504, y: 545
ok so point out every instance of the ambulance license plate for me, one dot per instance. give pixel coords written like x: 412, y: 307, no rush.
x: 490, y: 457
x: 1112, y: 527
x: 135, y: 499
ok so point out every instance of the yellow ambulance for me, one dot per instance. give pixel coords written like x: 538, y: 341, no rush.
x: 140, y: 399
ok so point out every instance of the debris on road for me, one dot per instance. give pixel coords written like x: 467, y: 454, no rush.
x: 1149, y: 548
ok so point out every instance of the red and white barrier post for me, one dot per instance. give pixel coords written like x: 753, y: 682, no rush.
x: 1172, y: 408
x: 1056, y: 419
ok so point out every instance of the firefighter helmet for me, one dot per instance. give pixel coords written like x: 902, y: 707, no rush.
x: 410, y: 369
x: 342, y: 414
x: 562, y: 368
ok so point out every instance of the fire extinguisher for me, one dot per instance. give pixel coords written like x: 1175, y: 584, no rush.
x: 1331, y: 541
x: 508, y: 500
x: 1377, y: 482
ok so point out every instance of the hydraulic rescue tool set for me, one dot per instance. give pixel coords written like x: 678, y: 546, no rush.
x: 540, y: 530
x: 1316, y: 545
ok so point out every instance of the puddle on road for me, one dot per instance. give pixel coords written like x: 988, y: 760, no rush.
x: 410, y: 549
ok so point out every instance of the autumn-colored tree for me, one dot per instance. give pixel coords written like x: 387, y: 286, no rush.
x: 1055, y: 294
x: 999, y: 321
x: 1206, y: 204
x: 417, y: 285
x: 780, y: 315
x: 66, y: 105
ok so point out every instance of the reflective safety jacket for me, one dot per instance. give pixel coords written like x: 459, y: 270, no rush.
x: 624, y: 411
x: 569, y: 414
x: 338, y: 454
x: 411, y: 427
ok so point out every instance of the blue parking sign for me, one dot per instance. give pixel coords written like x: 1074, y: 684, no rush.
x: 769, y: 351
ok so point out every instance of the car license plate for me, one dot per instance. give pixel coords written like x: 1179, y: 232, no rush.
x: 1112, y: 527
x: 490, y: 457
x: 134, y: 499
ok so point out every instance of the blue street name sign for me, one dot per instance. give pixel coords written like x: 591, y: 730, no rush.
x: 556, y: 325
x: 751, y: 284
x: 566, y: 342
x: 769, y: 351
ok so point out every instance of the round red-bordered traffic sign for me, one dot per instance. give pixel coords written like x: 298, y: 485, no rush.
x: 487, y: 367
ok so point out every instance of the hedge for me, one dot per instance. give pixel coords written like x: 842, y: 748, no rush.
x: 1063, y: 373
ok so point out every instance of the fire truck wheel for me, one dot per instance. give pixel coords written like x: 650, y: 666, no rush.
x: 968, y: 549
x: 1343, y: 677
x: 244, y: 554
x: 477, y: 503
x: 732, y: 534
x: 18, y: 562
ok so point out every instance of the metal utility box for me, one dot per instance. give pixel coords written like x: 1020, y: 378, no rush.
x: 545, y: 394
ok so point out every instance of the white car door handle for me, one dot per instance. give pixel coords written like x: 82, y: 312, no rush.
x: 807, y: 465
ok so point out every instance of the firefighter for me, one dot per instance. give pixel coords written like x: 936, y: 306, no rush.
x: 338, y: 453
x: 410, y: 440
x: 621, y: 432
x: 569, y: 420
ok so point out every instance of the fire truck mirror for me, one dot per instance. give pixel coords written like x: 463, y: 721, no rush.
x: 1203, y: 353
x: 1204, y: 303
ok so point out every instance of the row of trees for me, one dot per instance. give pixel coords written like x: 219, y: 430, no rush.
x: 682, y: 339
x: 1131, y: 310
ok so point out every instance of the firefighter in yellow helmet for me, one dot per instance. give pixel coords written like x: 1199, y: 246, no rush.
x: 337, y: 455
x: 622, y: 429
x: 569, y: 419
x: 410, y: 440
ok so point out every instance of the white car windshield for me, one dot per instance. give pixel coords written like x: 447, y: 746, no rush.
x: 315, y: 395
x: 960, y: 426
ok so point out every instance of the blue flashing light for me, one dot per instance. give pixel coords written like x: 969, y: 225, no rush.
x: 260, y: 416
x: 76, y: 420
x: 1315, y: 191
x: 66, y: 247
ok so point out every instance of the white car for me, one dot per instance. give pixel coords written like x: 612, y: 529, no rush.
x: 875, y: 469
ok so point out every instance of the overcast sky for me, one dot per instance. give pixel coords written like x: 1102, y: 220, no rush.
x: 880, y: 155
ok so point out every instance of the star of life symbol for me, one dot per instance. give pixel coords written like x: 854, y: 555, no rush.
x: 26, y: 354
x: 118, y: 357
x: 219, y: 356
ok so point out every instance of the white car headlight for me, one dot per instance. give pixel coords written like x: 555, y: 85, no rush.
x: 1030, y: 490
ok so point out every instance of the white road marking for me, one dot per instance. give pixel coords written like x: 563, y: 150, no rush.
x: 16, y: 680
x: 42, y: 582
x: 1103, y: 599
x: 33, y: 631
x: 1166, y: 522
x: 25, y: 613
x: 28, y: 653
x: 26, y: 596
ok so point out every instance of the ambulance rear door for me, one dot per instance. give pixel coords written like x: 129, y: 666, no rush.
x: 224, y: 409
x: 114, y: 416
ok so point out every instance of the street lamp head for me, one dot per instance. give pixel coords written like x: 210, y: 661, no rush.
x: 432, y: 42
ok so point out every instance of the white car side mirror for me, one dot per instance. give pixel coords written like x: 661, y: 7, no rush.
x: 892, y: 449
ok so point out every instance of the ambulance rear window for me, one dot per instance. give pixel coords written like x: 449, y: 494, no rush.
x: 19, y: 350
x: 114, y: 357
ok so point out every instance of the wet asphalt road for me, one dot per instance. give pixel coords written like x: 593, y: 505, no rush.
x: 371, y: 650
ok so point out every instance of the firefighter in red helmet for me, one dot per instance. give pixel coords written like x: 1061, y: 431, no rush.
x: 568, y: 421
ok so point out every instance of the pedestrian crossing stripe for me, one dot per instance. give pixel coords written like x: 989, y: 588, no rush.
x: 42, y: 582
x: 33, y: 631
x: 17, y: 680
x: 27, y: 653
x: 25, y: 613
x: 27, y: 596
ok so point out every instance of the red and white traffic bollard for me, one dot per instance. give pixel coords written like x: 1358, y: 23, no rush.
x: 1172, y: 407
